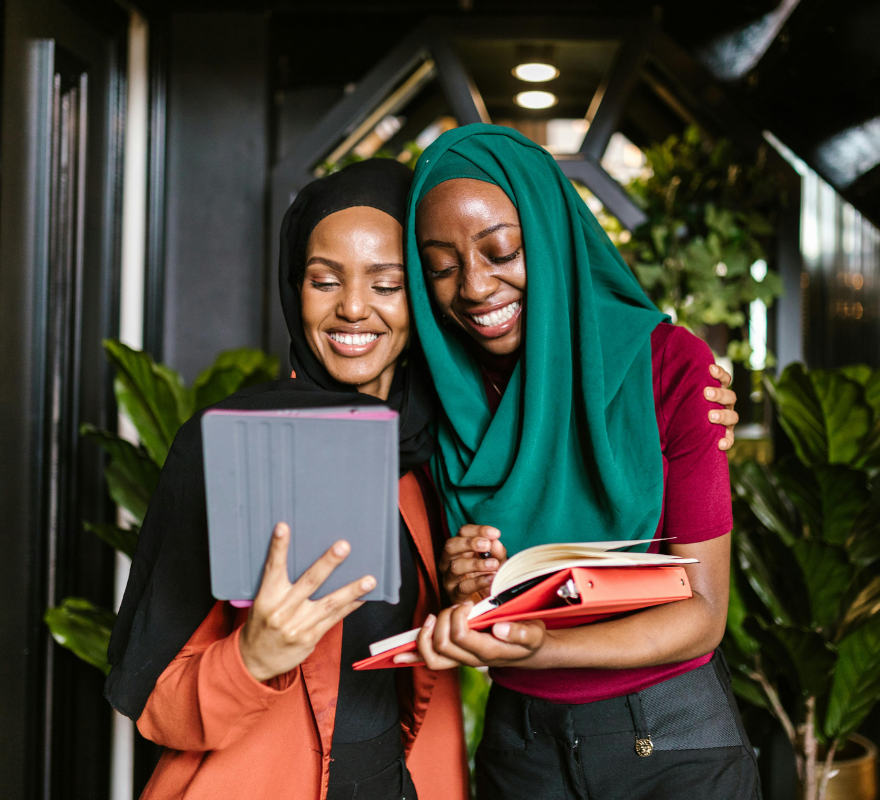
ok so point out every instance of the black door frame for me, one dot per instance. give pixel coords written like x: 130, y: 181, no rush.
x: 54, y: 725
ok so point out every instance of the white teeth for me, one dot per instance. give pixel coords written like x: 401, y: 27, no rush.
x: 498, y: 317
x: 355, y: 339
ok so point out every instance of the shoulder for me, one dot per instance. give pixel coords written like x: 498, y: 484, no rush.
x: 673, y: 344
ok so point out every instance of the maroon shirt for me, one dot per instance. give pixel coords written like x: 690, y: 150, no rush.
x: 696, y: 503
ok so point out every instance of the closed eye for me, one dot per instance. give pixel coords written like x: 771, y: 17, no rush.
x: 324, y: 286
x: 504, y: 259
x: 442, y: 273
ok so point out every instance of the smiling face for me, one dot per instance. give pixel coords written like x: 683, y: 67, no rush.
x: 471, y: 243
x: 354, y: 306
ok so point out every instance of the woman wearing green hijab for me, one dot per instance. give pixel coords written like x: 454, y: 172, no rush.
x: 571, y: 411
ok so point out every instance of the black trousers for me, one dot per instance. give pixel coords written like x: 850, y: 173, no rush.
x: 682, y: 739
x: 371, y: 770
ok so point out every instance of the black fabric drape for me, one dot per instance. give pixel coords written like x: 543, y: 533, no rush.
x: 169, y: 589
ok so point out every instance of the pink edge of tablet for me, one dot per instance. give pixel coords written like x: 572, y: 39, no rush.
x: 308, y: 414
x: 241, y: 603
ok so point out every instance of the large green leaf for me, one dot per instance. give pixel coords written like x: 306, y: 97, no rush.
x: 800, y: 413
x: 233, y: 370
x: 801, y: 654
x: 84, y: 628
x: 855, y: 689
x: 131, y: 476
x: 801, y: 487
x: 774, y: 576
x: 151, y: 397
x: 825, y: 414
x: 828, y: 575
x: 863, y: 607
x: 864, y: 544
x: 758, y: 487
x: 737, y: 613
x: 123, y: 539
x: 844, y: 496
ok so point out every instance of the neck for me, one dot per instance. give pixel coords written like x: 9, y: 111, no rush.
x: 380, y: 386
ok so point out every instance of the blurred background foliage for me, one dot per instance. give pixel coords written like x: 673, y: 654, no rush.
x: 711, y: 214
x: 156, y: 402
x: 803, y: 632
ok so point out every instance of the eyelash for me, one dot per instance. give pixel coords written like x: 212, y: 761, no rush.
x: 326, y: 286
x: 505, y: 259
x: 436, y: 275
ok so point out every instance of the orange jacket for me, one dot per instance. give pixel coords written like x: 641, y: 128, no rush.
x: 229, y: 736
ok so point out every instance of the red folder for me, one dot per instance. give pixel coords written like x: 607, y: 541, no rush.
x: 601, y: 592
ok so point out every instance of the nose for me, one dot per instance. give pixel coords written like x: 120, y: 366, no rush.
x: 478, y: 281
x: 353, y: 305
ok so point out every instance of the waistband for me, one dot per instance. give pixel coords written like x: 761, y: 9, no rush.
x: 531, y: 715
x: 352, y: 762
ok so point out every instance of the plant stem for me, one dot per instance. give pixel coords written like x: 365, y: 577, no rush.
x: 779, y: 712
x: 826, y: 770
x: 810, y: 747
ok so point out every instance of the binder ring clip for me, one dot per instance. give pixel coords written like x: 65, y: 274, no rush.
x: 569, y: 592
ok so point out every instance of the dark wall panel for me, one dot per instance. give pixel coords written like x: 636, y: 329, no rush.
x: 216, y: 176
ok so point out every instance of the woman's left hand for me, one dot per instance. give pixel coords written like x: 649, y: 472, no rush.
x: 725, y: 397
x: 446, y: 641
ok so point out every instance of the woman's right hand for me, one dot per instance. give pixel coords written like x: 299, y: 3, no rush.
x: 463, y: 570
x: 284, y: 626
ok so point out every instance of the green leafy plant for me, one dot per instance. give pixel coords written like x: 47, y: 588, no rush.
x: 155, y: 400
x: 803, y: 633
x: 475, y: 686
x: 710, y: 214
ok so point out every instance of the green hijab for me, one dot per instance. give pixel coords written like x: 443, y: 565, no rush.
x: 573, y: 452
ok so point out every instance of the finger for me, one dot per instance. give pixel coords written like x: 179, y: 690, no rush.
x: 478, y: 531
x: 475, y: 583
x: 329, y: 607
x: 275, y: 577
x: 426, y: 651
x: 410, y: 660
x: 441, y: 641
x: 316, y: 574
x: 341, y: 613
x: 720, y: 374
x: 724, y: 397
x: 529, y: 635
x: 469, y: 566
x: 723, y: 416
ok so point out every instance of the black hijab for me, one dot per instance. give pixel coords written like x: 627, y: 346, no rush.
x: 168, y: 594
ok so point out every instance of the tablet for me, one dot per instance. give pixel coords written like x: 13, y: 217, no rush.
x: 329, y: 473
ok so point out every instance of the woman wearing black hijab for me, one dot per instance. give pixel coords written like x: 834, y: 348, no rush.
x: 265, y: 703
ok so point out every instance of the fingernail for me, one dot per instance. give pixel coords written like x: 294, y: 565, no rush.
x: 490, y: 563
x: 501, y: 630
x: 491, y: 531
x: 340, y: 548
x: 710, y: 393
x: 368, y: 583
x: 482, y: 544
x: 724, y: 444
x: 429, y: 621
x: 714, y: 368
x: 279, y: 531
x: 714, y: 416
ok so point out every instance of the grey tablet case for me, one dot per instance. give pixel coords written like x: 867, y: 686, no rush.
x: 330, y: 473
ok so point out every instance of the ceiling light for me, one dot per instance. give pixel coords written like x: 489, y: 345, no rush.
x: 536, y: 99
x: 535, y: 72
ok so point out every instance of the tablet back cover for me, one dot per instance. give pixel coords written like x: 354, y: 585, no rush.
x: 329, y: 473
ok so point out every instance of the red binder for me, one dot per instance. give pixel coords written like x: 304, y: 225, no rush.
x: 573, y: 597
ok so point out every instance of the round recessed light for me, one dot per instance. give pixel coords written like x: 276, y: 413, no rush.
x: 536, y: 99
x: 535, y: 72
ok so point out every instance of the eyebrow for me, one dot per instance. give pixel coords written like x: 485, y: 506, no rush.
x: 337, y: 267
x: 475, y: 238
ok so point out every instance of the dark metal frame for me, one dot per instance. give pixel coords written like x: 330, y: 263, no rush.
x: 641, y: 41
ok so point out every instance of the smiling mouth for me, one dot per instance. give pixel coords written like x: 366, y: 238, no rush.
x: 498, y: 317
x: 354, y: 338
x: 353, y: 345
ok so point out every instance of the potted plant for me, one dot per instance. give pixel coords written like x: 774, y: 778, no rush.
x: 157, y: 403
x: 803, y: 635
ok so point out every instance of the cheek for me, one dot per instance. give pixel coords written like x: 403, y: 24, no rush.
x: 314, y: 310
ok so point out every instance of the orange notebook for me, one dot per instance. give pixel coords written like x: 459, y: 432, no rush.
x: 564, y: 599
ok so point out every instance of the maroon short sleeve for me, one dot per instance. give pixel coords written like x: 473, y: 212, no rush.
x: 697, y: 495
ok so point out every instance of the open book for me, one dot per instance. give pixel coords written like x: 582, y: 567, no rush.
x: 564, y: 585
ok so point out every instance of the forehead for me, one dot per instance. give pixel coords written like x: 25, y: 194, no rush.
x: 360, y: 226
x: 463, y: 198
